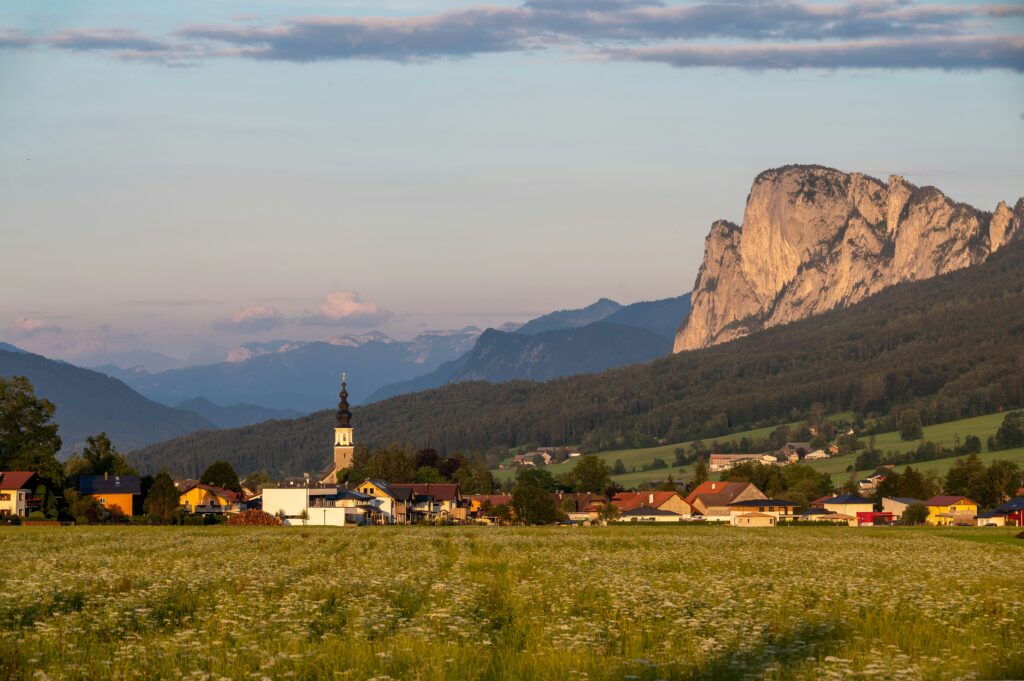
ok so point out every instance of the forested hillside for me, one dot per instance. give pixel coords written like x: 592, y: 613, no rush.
x: 954, y: 345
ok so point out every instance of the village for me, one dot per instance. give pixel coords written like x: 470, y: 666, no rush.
x: 331, y: 499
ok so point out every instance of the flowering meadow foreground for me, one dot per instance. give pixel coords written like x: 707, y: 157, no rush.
x: 503, y: 603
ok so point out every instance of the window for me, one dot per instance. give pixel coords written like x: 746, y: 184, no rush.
x: 5, y: 496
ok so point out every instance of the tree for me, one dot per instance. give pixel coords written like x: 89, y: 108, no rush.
x: 568, y: 505
x: 162, y: 501
x: 392, y: 464
x: 909, y: 424
x: 591, y: 474
x: 802, y: 483
x: 256, y: 481
x: 1011, y: 431
x: 84, y: 510
x: 533, y: 505
x: 608, y: 512
x: 766, y: 478
x: 971, y: 445
x: 965, y: 475
x: 535, y: 477
x: 668, y: 484
x: 221, y: 474
x: 700, y: 473
x: 620, y: 468
x: 102, y: 458
x: 915, y: 514
x: 28, y: 439
x: 1002, y: 480
x: 428, y: 474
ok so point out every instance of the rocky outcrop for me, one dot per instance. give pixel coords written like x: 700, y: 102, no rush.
x: 816, y: 238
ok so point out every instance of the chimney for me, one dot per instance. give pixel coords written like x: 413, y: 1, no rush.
x: 650, y: 498
x: 106, y: 475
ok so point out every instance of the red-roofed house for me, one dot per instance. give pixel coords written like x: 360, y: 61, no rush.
x: 434, y: 500
x: 16, y: 496
x: 662, y: 501
x: 196, y: 497
x: 711, y: 499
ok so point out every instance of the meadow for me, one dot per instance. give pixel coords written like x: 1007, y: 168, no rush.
x: 628, y: 602
x: 945, y: 434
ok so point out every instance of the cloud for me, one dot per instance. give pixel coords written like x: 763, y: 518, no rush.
x: 252, y: 319
x: 938, y: 53
x: 12, y: 37
x: 348, y: 307
x: 27, y: 327
x: 750, y: 34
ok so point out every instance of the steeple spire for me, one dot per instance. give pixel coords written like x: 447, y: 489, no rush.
x: 344, y: 416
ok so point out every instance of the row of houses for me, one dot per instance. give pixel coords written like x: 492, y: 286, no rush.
x: 372, y: 502
x: 791, y: 452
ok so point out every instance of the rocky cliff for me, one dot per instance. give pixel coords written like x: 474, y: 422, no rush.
x: 816, y: 238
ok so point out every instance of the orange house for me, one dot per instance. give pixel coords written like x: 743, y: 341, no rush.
x: 111, y: 491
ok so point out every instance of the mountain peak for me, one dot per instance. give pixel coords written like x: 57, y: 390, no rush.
x: 816, y: 238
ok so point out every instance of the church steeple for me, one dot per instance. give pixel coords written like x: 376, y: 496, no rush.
x: 343, y: 415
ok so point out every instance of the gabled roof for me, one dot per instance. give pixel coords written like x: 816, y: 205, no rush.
x: 16, y: 479
x: 224, y: 493
x: 440, y: 491
x: 948, y: 500
x: 715, y: 493
x: 394, y: 491
x: 848, y: 499
x: 627, y: 501
x: 113, y: 484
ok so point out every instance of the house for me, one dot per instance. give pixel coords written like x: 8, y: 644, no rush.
x: 754, y: 520
x: 848, y: 505
x: 394, y: 503
x: 897, y: 505
x: 111, y: 491
x: 870, y: 483
x: 800, y: 449
x: 430, y: 502
x: 16, y: 497
x: 874, y: 518
x: 661, y: 501
x: 324, y: 505
x: 196, y: 497
x: 650, y: 515
x: 481, y: 506
x: 990, y: 519
x: 819, y: 502
x: 951, y: 510
x: 711, y: 499
x: 816, y: 455
x: 776, y: 508
x: 723, y: 462
x: 1012, y: 511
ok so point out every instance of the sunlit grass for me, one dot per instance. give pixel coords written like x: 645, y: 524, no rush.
x: 503, y: 603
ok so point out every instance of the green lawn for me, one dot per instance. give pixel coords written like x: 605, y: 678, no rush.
x: 943, y: 433
x: 477, y: 603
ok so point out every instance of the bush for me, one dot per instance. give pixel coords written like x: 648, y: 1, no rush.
x: 253, y: 517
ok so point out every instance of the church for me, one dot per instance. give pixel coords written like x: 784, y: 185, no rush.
x: 344, y: 445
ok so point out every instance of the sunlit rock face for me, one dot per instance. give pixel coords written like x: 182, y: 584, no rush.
x: 814, y: 238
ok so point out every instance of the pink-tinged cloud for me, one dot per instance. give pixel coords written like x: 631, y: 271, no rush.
x: 13, y: 37
x: 343, y: 304
x: 251, y: 319
x: 26, y: 327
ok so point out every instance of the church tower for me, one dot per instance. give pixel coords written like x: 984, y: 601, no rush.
x: 343, y: 443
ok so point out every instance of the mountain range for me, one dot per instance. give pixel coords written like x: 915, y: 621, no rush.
x: 950, y: 345
x: 601, y: 336
x: 814, y: 239
x: 89, y: 402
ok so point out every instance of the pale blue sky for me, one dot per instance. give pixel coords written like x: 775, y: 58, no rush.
x: 149, y: 196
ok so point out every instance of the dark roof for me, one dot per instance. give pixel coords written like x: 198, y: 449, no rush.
x: 948, y: 500
x: 442, y: 491
x: 648, y: 511
x: 816, y: 511
x: 906, y: 500
x: 764, y: 502
x: 114, y: 484
x: 1011, y: 506
x: 848, y: 499
x: 15, y: 479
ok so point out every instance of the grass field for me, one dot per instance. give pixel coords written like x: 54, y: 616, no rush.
x: 943, y: 433
x: 508, y: 603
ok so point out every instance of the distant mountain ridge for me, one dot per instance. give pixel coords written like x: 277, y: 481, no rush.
x: 302, y: 375
x: 89, y: 402
x: 235, y: 415
x: 814, y: 239
x: 623, y: 335
x: 955, y: 339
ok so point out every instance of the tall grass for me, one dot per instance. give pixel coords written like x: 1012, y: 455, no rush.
x: 498, y: 603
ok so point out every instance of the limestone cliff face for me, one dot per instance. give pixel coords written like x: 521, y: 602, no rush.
x: 815, y: 238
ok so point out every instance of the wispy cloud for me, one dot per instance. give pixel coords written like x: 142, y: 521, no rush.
x: 736, y: 33
x: 27, y: 327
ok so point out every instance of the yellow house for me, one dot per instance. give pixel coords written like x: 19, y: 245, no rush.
x: 111, y: 491
x: 199, y: 498
x: 951, y: 510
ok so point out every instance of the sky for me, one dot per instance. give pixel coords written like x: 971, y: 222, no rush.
x: 178, y: 178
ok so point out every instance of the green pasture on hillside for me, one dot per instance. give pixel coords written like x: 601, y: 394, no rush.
x: 494, y: 603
